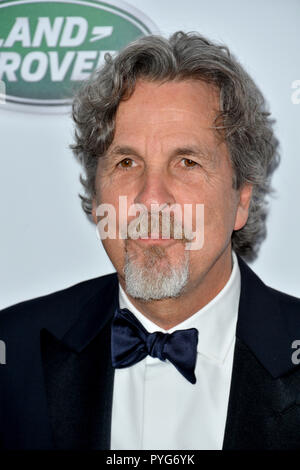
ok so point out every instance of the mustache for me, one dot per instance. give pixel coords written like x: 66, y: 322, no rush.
x: 158, y: 225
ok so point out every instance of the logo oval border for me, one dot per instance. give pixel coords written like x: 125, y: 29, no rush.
x: 126, y: 11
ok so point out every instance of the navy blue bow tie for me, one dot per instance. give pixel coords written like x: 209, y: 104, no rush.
x: 131, y: 342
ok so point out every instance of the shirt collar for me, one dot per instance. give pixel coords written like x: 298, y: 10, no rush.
x: 215, y: 322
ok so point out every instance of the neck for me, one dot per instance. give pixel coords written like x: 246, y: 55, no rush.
x: 168, y: 313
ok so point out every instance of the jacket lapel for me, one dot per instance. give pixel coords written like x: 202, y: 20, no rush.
x: 79, y: 376
x: 263, y: 394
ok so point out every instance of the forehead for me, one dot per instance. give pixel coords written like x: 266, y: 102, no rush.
x: 175, y: 102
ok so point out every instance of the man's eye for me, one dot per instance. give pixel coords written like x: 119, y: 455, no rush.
x: 126, y: 163
x: 188, y: 163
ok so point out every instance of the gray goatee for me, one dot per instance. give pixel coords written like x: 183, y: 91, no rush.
x: 147, y: 280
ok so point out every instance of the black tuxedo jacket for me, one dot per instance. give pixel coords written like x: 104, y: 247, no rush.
x: 57, y: 384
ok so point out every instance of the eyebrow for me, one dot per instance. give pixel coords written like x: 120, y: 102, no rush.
x: 191, y: 150
x: 122, y: 150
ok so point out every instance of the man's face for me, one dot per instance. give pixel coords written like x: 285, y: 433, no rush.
x: 165, y: 151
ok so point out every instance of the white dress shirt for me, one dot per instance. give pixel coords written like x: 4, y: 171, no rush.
x: 155, y: 407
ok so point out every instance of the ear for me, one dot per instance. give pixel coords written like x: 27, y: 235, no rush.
x: 243, y: 206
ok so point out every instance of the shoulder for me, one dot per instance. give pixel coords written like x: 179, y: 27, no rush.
x: 56, y: 310
x: 285, y: 299
x: 263, y: 301
x: 250, y: 278
x: 289, y: 307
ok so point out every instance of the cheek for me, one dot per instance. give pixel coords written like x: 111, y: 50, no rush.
x: 110, y: 191
x: 115, y: 251
x: 219, y: 214
x: 105, y: 194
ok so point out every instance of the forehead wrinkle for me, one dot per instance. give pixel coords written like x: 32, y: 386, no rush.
x: 160, y: 116
x: 157, y: 140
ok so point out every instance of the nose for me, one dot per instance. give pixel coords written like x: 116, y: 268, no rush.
x: 156, y: 189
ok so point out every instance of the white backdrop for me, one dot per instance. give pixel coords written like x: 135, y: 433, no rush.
x: 48, y: 244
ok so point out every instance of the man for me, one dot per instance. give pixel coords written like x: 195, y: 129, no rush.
x: 181, y: 348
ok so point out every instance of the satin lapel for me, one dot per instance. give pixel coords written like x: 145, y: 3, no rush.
x: 251, y: 420
x: 264, y: 387
x: 79, y: 377
x: 263, y: 411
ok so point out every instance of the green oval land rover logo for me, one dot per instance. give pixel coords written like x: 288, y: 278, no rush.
x: 47, y: 47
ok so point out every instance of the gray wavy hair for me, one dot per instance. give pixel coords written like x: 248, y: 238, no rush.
x: 243, y: 121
